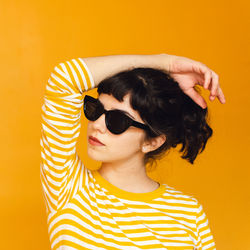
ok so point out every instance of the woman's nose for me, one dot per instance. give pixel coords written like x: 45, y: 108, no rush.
x: 100, y: 124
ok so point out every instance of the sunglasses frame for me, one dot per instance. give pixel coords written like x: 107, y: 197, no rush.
x: 132, y: 122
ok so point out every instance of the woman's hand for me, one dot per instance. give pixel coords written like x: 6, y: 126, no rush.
x: 189, y: 73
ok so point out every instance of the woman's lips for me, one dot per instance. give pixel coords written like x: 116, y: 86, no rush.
x: 95, y: 141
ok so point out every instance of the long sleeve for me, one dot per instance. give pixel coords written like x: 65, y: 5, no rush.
x: 204, y: 236
x: 61, y: 112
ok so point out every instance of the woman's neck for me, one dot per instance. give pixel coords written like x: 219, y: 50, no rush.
x: 129, y: 177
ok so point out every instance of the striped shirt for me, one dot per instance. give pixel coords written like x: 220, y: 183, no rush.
x: 84, y: 210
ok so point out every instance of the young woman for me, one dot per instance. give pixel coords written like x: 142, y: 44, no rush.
x: 146, y: 105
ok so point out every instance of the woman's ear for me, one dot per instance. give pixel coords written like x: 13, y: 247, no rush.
x: 153, y: 143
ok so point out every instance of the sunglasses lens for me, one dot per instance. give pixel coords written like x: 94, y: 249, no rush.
x: 116, y: 122
x: 92, y: 110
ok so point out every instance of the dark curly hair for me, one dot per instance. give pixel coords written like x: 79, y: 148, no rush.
x: 164, y: 107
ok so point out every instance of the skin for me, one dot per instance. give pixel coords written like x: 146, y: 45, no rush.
x: 122, y: 155
x: 189, y: 73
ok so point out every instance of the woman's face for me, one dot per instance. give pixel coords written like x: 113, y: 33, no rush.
x: 119, y: 147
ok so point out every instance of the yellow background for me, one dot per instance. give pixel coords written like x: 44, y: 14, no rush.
x: 37, y: 35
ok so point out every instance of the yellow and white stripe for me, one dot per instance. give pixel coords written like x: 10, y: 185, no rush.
x: 84, y: 210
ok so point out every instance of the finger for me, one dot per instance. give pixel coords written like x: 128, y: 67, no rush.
x: 196, y: 97
x: 215, y: 84
x: 200, y: 80
x: 203, y: 70
x: 212, y: 96
x: 221, y: 96
x: 208, y: 78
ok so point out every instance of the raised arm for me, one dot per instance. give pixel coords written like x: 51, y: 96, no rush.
x: 185, y: 71
x: 61, y: 113
x: 105, y: 66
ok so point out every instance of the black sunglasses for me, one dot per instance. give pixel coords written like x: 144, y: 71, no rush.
x: 116, y: 120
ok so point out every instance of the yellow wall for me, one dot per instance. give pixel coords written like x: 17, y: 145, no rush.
x: 36, y: 35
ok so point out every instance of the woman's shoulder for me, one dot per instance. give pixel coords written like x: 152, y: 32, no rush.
x: 174, y: 195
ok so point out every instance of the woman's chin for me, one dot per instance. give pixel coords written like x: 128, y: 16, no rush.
x: 94, y: 155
